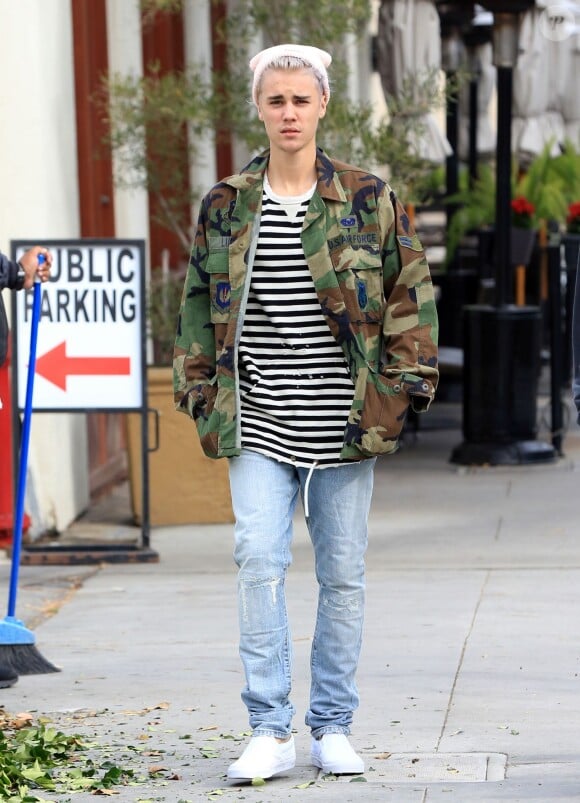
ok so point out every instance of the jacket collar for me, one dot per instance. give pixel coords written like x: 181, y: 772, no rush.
x: 328, y: 185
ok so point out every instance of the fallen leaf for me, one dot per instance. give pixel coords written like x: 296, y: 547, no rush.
x: 383, y: 755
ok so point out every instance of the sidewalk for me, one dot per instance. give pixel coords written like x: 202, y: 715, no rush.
x: 470, y: 672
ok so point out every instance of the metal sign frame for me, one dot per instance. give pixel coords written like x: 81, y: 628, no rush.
x: 80, y: 554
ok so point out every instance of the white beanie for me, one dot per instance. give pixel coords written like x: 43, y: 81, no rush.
x: 319, y: 59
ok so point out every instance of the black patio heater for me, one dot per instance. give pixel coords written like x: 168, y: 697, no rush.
x: 501, y: 343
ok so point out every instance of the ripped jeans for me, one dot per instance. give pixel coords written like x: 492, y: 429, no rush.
x: 264, y: 496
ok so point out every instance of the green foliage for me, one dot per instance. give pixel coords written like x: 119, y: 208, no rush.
x: 154, y: 121
x: 324, y: 25
x: 38, y: 757
x: 543, y: 185
x: 150, y: 8
x: 475, y: 208
x: 567, y: 165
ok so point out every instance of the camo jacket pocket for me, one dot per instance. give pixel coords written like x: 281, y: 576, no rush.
x: 359, y: 272
x: 217, y: 266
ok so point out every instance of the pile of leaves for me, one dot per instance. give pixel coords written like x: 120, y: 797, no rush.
x: 36, y: 759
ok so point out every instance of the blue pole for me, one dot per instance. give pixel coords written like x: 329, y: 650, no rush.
x: 24, y: 443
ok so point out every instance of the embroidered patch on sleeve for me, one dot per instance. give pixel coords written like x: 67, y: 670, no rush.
x: 410, y: 242
x: 222, y: 295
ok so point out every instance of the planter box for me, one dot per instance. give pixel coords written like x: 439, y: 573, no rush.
x: 522, y: 243
x: 185, y: 486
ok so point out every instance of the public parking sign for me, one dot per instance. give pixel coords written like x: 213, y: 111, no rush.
x: 91, y: 336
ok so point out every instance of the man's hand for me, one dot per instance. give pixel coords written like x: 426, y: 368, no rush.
x: 29, y: 261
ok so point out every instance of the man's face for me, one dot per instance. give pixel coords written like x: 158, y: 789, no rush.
x: 290, y: 105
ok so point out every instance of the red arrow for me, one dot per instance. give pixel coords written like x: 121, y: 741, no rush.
x: 56, y: 366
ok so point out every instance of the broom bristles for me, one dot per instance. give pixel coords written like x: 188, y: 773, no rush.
x: 25, y: 659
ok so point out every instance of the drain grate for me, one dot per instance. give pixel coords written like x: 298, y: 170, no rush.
x: 439, y: 767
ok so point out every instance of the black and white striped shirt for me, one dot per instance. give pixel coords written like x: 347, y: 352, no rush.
x: 296, y: 390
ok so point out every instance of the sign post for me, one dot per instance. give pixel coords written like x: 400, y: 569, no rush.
x: 91, y: 355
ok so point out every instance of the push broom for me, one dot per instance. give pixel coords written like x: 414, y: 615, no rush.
x: 17, y: 643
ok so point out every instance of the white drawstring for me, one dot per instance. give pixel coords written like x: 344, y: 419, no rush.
x: 306, y: 488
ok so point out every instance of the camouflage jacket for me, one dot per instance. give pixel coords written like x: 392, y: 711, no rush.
x: 374, y: 288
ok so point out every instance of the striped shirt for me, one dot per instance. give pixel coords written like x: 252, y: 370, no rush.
x: 296, y: 389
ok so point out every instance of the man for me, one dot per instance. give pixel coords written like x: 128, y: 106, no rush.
x: 307, y: 327
x: 17, y: 276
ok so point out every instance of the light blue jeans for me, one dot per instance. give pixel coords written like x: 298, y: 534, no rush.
x: 264, y: 495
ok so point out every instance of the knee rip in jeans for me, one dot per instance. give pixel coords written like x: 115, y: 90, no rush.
x: 340, y: 605
x: 248, y: 584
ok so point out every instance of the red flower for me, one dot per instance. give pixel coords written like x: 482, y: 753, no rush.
x: 522, y: 212
x: 573, y: 218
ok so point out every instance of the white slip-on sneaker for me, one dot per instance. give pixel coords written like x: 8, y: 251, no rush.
x: 263, y: 757
x: 333, y: 753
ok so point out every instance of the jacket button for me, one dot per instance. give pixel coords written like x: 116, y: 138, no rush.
x: 397, y: 388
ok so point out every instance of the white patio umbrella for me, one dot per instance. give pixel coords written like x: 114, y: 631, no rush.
x: 564, y: 28
x: 536, y: 118
x: 408, y: 48
x: 486, y: 139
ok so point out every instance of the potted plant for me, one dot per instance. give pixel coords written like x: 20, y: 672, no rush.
x: 523, y: 230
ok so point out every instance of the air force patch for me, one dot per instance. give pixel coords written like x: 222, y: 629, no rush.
x: 222, y: 295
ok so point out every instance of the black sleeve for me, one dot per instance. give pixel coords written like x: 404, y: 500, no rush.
x: 8, y: 272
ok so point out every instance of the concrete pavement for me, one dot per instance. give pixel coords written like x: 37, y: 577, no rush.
x: 470, y: 672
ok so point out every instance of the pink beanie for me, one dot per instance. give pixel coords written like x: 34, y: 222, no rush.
x: 319, y: 59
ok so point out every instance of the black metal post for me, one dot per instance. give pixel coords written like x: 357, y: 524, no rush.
x: 503, y: 277
x: 556, y: 346
x: 472, y: 145
x: 452, y: 133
